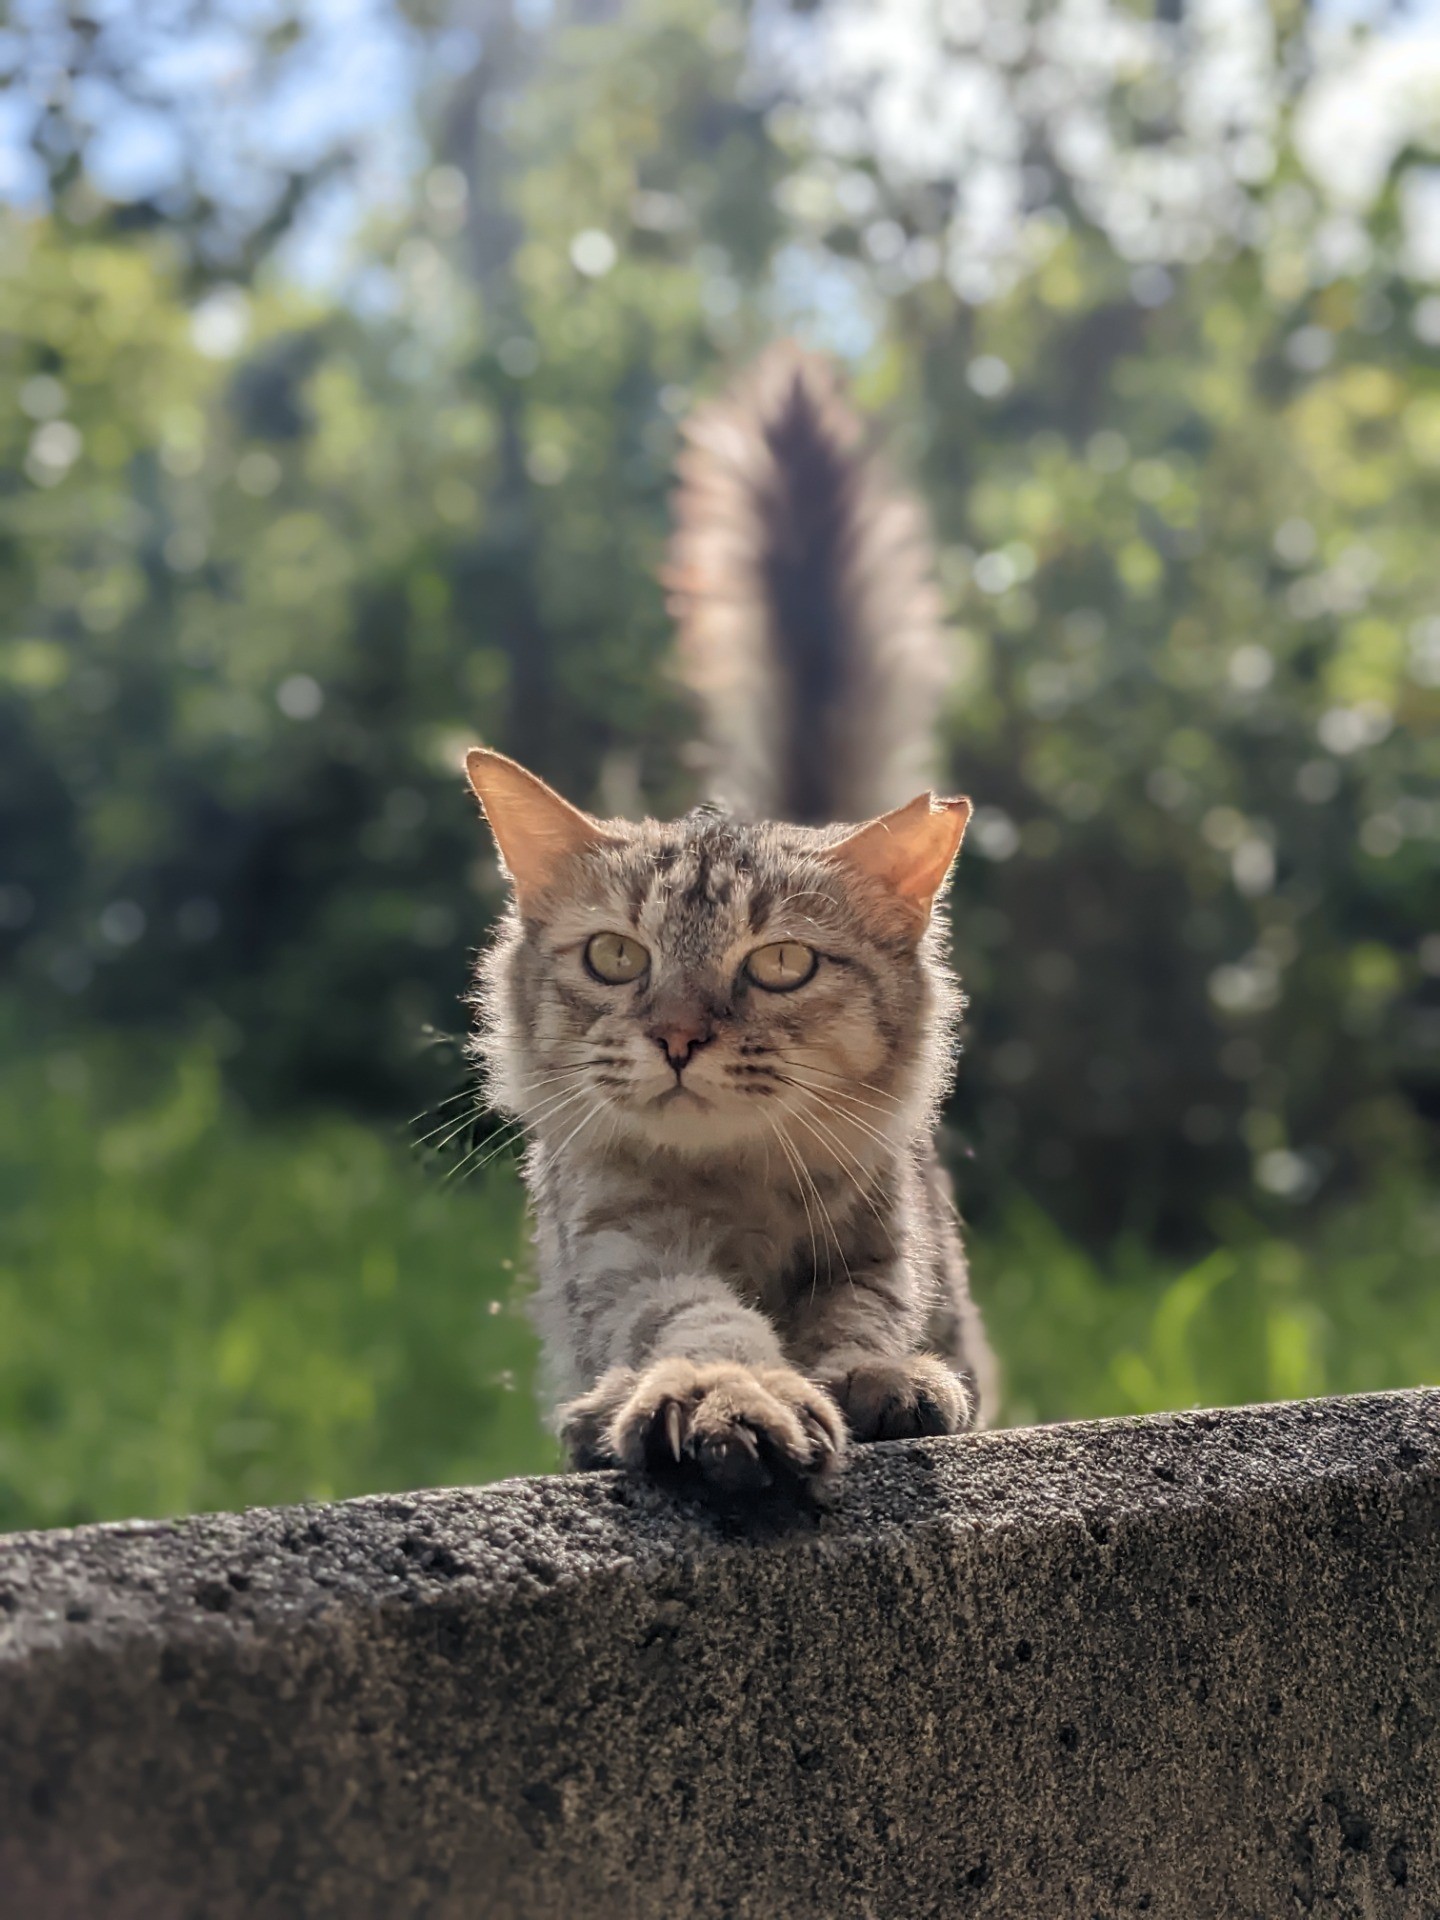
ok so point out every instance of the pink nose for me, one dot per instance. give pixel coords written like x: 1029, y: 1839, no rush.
x: 678, y: 1040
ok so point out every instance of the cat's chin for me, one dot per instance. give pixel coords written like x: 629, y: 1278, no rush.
x: 686, y: 1123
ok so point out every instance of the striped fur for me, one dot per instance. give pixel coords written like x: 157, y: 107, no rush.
x: 735, y: 1252
x: 810, y: 626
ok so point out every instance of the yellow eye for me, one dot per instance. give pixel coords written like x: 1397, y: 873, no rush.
x: 615, y: 958
x: 783, y: 967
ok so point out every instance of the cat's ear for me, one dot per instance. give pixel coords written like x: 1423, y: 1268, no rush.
x: 534, y: 828
x: 908, y: 851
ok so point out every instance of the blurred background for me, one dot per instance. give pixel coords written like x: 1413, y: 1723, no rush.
x: 342, y: 351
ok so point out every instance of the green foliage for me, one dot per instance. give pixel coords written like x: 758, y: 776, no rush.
x: 267, y: 561
x: 196, y: 1312
x: 1348, y: 1305
x: 271, y: 557
x: 1192, y: 693
x: 199, y: 1312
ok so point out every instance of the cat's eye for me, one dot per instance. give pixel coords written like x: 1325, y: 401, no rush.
x: 615, y: 958
x: 783, y: 967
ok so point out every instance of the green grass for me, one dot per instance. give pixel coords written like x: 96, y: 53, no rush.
x: 197, y: 1311
x: 1346, y: 1302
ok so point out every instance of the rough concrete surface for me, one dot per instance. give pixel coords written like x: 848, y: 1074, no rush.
x: 1186, y: 1666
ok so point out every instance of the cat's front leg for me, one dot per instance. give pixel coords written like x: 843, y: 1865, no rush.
x: 861, y: 1347
x: 736, y: 1428
x: 698, y: 1390
x: 900, y: 1397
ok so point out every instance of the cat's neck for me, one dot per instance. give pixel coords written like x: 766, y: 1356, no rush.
x: 826, y: 1151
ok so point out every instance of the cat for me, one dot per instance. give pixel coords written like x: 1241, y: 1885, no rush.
x: 728, y: 1037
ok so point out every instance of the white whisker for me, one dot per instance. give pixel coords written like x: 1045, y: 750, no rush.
x: 561, y: 1073
x: 835, y: 1106
x: 806, y: 1175
x: 844, y: 1079
x: 508, y: 1139
x: 863, y: 1185
x: 517, y: 1129
x: 842, y: 1095
x: 802, y: 893
x: 599, y: 1107
x: 428, y: 1113
x: 795, y: 1167
x: 450, y: 1127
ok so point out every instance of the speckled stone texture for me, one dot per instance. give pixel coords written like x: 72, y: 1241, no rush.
x: 1184, y: 1666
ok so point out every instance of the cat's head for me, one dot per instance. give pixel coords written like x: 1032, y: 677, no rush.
x: 709, y: 984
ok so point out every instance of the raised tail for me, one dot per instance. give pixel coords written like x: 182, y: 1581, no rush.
x: 803, y: 582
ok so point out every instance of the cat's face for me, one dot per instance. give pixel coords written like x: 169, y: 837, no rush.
x: 709, y: 985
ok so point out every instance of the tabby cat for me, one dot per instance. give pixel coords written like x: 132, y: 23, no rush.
x: 728, y: 1036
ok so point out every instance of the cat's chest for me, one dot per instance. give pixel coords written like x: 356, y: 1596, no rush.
x: 762, y: 1235
x: 768, y: 1234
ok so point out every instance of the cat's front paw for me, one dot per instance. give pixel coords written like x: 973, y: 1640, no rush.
x: 586, y: 1423
x: 901, y: 1399
x: 737, y: 1429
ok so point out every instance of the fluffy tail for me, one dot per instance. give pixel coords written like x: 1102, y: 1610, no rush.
x: 810, y: 625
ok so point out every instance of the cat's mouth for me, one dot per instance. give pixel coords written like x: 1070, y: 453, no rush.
x: 672, y: 1094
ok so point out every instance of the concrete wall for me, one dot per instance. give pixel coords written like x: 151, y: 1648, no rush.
x: 1185, y: 1667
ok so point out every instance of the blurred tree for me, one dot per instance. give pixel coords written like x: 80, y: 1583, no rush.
x: 163, y: 119
x: 269, y: 558
x: 1183, y: 445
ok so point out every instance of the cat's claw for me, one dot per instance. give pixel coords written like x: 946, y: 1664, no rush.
x: 903, y: 1399
x: 736, y: 1429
